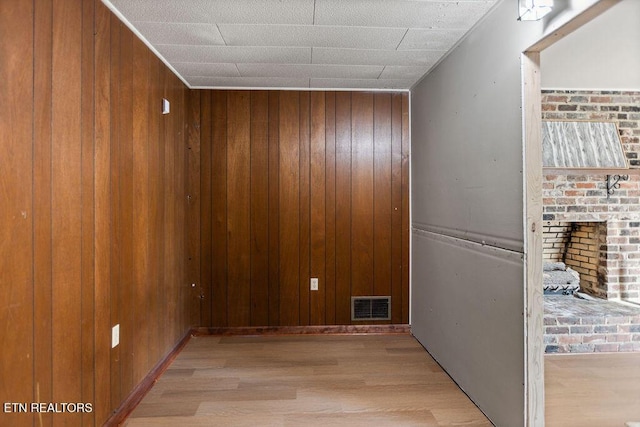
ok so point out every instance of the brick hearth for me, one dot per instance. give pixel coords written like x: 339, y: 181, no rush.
x: 574, y: 325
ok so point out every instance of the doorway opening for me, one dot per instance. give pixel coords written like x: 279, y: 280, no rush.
x: 575, y: 198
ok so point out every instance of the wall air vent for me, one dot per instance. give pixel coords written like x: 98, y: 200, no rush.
x: 370, y: 308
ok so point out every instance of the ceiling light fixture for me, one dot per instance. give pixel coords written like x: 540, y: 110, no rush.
x: 534, y: 10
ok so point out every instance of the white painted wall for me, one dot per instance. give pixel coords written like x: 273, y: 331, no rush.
x: 467, y: 211
x: 604, y: 54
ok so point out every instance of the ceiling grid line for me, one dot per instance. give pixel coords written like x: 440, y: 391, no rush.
x: 314, y: 13
x: 402, y: 39
x: 221, y: 35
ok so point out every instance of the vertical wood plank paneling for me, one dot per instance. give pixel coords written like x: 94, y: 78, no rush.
x: 178, y: 283
x: 169, y: 202
x: 362, y: 194
x: 116, y: 241
x: 156, y: 212
x: 41, y: 202
x: 304, y: 208
x: 127, y: 235
x: 274, y: 208
x: 382, y: 194
x: 162, y: 228
x: 178, y: 286
x: 405, y: 207
x: 193, y: 225
x: 206, y: 216
x: 16, y: 222
x: 150, y: 340
x: 180, y: 182
x: 396, y: 203
x: 330, y: 210
x: 84, y: 233
x: 166, y: 172
x: 168, y: 296
x: 189, y: 294
x: 259, y: 233
x: 318, y: 219
x: 289, y: 229
x: 140, y: 209
x: 102, y: 206
x: 326, y: 201
x: 238, y: 207
x: 343, y: 208
x: 88, y: 213
x: 66, y: 205
x: 219, y: 207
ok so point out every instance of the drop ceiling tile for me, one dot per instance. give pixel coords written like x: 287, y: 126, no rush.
x: 308, y: 71
x: 218, y: 11
x: 248, y: 82
x: 424, y: 39
x: 233, y: 54
x: 189, y: 34
x: 312, y: 35
x: 401, y: 13
x: 287, y: 43
x: 403, y: 73
x: 206, y: 70
x: 360, y: 84
x: 375, y: 57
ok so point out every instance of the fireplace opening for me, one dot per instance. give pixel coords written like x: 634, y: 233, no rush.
x: 572, y: 258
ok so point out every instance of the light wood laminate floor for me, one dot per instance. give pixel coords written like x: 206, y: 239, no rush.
x: 305, y: 380
x: 592, y: 390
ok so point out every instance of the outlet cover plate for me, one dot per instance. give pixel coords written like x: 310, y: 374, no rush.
x: 314, y: 283
x: 115, y: 335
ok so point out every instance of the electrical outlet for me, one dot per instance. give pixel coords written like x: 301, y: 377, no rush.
x: 314, y: 283
x: 115, y: 336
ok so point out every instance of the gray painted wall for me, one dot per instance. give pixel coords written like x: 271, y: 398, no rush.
x: 604, y: 54
x: 467, y: 210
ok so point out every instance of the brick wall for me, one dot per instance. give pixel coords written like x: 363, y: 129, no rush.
x: 591, y: 334
x: 583, y: 198
x: 555, y: 237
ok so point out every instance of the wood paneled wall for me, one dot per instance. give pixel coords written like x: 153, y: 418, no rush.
x: 293, y: 185
x: 109, y: 210
x: 93, y: 209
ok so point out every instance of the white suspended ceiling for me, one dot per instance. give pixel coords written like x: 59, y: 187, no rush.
x: 332, y: 44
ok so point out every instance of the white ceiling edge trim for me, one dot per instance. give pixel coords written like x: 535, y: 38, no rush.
x: 301, y: 89
x: 133, y: 29
x: 455, y: 46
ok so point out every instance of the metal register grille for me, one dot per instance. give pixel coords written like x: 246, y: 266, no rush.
x: 371, y: 308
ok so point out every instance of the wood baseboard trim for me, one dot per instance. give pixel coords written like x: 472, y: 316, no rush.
x: 304, y: 330
x: 138, y: 393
